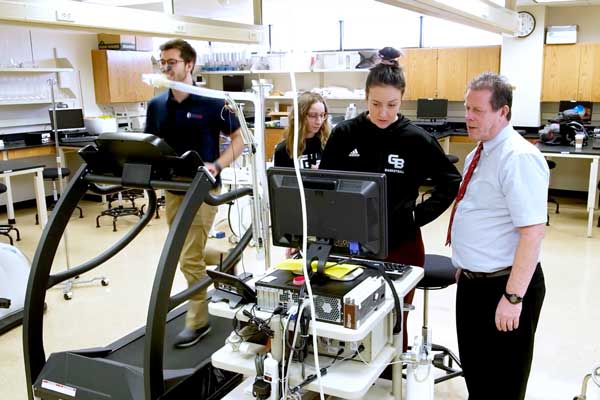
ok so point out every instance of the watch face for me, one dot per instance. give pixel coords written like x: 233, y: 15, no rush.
x: 526, y: 24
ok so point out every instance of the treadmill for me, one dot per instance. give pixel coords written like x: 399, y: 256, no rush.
x: 144, y: 364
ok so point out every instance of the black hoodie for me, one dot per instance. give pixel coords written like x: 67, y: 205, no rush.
x: 408, y: 155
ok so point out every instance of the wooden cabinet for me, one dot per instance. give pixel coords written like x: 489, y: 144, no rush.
x: 272, y: 137
x: 561, y: 72
x: 118, y: 76
x: 445, y: 72
x: 588, y: 87
x: 452, y: 73
x: 482, y: 59
x: 420, y: 68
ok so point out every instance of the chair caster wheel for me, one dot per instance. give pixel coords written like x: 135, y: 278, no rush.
x: 68, y: 295
x: 104, y: 282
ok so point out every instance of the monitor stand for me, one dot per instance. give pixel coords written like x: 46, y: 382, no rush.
x: 319, y: 251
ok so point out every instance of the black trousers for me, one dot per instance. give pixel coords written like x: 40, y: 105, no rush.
x: 496, y: 364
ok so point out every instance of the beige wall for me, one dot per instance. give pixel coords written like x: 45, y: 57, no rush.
x: 587, y: 18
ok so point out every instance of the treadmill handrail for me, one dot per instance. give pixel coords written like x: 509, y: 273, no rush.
x: 227, y: 265
x: 211, y: 199
x: 110, y: 252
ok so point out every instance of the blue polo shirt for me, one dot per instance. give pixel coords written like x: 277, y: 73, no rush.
x: 193, y: 124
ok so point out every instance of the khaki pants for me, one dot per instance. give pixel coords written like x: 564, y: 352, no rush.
x: 191, y: 260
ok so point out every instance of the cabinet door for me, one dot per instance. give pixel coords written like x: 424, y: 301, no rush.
x: 561, y: 72
x: 452, y: 73
x: 420, y: 72
x: 482, y: 59
x: 588, y: 87
x: 118, y: 76
x: 272, y: 137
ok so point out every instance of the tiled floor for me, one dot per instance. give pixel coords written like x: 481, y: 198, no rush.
x: 567, y: 344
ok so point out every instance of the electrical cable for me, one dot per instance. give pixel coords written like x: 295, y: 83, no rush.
x: 305, y: 265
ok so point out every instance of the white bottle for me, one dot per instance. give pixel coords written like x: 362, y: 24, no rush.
x: 350, y: 111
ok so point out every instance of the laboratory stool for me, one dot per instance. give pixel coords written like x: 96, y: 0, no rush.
x: 551, y: 166
x: 5, y: 229
x: 439, y: 274
x: 120, y: 210
x: 51, y: 174
x: 453, y: 159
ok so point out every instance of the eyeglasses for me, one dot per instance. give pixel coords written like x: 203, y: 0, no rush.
x: 171, y: 62
x: 317, y: 116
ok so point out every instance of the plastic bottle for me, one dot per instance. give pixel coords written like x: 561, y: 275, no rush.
x: 350, y: 111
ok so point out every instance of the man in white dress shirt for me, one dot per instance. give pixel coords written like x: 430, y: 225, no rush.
x: 496, y: 237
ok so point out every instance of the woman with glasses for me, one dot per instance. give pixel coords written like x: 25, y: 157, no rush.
x: 313, y: 132
x: 382, y: 140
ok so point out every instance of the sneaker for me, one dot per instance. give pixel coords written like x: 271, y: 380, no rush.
x: 189, y: 337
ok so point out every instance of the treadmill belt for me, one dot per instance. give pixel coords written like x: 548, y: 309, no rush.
x: 190, y: 357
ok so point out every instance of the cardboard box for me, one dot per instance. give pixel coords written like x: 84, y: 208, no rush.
x: 109, y: 41
x: 143, y: 43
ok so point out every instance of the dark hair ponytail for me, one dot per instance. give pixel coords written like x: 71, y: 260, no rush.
x: 388, y: 72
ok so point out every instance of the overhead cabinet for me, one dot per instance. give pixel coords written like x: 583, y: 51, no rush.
x: 445, y: 72
x: 571, y: 72
x: 118, y: 76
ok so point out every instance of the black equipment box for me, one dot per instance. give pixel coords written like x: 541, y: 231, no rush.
x: 345, y: 303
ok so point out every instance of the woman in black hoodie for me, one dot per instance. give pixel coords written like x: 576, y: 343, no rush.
x: 382, y: 140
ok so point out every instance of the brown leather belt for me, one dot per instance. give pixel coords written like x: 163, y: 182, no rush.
x: 485, y: 275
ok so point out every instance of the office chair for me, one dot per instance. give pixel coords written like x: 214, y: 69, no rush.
x: 439, y: 274
x: 453, y: 159
x: 51, y: 174
x: 551, y: 166
x: 5, y: 229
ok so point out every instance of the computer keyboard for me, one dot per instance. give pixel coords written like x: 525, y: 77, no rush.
x: 78, y: 139
x: 428, y: 122
x: 393, y: 270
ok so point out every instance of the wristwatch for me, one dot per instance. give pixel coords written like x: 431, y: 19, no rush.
x: 513, y: 298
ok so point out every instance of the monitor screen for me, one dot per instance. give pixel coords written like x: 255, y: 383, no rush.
x: 432, y: 108
x: 233, y: 83
x: 570, y: 104
x: 343, y: 208
x: 67, y: 118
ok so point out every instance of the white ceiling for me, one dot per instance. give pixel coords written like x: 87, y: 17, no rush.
x: 560, y: 3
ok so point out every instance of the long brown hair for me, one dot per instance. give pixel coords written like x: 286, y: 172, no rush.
x: 305, y: 102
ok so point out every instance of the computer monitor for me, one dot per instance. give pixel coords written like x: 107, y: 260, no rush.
x: 345, y: 210
x: 432, y: 108
x: 67, y: 119
x: 570, y: 104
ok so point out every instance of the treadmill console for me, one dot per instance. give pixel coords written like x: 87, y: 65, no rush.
x: 112, y: 151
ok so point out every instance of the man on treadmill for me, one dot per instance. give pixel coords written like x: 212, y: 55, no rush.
x: 191, y: 122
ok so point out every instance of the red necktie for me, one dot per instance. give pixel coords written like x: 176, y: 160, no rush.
x: 463, y: 188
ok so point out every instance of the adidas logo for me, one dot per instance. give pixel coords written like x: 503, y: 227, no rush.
x: 354, y: 153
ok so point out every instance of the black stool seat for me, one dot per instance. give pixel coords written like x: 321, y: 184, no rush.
x: 439, y: 272
x: 2, y: 188
x: 52, y: 173
x: 452, y: 158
